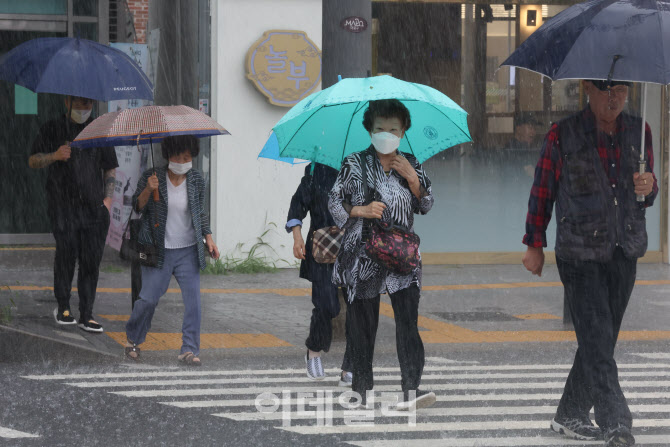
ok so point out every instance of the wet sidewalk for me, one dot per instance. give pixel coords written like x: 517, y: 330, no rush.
x: 473, y: 306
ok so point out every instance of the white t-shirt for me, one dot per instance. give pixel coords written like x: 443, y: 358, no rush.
x: 179, y: 231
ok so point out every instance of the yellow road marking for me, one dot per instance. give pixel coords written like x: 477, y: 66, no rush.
x: 441, y: 332
x: 26, y: 248
x: 115, y: 317
x: 307, y: 291
x: 537, y: 317
x: 156, y: 341
x: 282, y: 292
x: 437, y: 331
x: 506, y: 285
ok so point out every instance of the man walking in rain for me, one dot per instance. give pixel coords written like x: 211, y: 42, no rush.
x: 588, y: 167
x: 80, y: 185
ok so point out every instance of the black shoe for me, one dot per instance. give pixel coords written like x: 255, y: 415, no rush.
x: 421, y: 399
x: 580, y: 428
x: 64, y: 317
x: 90, y: 326
x: 619, y: 436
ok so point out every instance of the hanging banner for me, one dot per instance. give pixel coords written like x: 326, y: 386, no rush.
x: 132, y: 161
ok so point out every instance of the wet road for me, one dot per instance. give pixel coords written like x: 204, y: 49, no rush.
x: 56, y: 395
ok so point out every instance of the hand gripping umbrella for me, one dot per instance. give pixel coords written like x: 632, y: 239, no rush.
x: 611, y: 40
x: 146, y: 124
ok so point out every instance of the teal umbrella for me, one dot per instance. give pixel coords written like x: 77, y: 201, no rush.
x: 327, y: 126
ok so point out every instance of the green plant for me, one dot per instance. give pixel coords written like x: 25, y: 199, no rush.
x: 6, y: 310
x: 251, y: 261
x: 112, y: 269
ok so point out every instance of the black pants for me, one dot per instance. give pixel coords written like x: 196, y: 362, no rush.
x: 135, y: 266
x: 364, y: 320
x: 597, y: 294
x: 326, y: 307
x: 86, y: 245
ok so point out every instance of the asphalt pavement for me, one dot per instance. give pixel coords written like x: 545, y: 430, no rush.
x: 497, y: 355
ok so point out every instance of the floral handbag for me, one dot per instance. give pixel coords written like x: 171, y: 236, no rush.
x: 395, y: 248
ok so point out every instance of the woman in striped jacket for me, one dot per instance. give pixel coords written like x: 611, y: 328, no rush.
x: 176, y: 225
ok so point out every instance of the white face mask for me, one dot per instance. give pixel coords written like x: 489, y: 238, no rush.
x: 385, y: 142
x: 80, y: 116
x: 180, y: 168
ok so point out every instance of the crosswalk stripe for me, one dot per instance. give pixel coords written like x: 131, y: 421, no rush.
x: 455, y: 386
x: 557, y: 441
x: 654, y: 355
x: 193, y: 392
x: 426, y: 412
x: 510, y: 400
x: 445, y: 426
x: 15, y: 434
x: 251, y: 372
x: 293, y: 379
x: 319, y: 400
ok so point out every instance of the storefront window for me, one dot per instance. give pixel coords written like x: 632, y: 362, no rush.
x: 55, y: 7
x: 86, y: 30
x: 85, y: 8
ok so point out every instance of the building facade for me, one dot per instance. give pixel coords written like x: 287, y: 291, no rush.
x: 201, y: 50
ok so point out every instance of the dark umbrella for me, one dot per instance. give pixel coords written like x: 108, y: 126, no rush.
x: 75, y: 67
x: 611, y: 40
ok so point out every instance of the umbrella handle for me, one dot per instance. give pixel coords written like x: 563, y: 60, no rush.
x: 156, y: 196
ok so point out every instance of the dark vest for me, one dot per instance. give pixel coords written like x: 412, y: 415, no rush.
x: 592, y: 216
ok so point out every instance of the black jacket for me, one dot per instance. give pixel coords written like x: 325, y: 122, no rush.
x: 312, y: 197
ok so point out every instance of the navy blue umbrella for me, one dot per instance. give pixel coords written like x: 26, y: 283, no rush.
x: 75, y: 67
x: 623, y: 40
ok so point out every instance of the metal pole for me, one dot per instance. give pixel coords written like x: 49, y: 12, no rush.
x: 345, y: 52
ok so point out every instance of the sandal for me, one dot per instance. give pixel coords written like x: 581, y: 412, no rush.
x: 189, y: 359
x: 132, y: 352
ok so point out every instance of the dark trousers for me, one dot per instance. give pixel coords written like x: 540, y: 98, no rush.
x: 135, y: 266
x: 85, y: 245
x: 597, y: 294
x: 326, y: 307
x: 364, y: 320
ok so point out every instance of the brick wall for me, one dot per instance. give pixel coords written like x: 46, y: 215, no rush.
x: 140, y: 11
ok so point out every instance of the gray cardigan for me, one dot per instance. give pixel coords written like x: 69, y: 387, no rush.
x: 156, y: 212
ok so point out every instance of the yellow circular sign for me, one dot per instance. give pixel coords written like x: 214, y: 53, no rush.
x: 285, y: 66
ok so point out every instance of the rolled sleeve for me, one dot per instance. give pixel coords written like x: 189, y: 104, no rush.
x: 293, y: 223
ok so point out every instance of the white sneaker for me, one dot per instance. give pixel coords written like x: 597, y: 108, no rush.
x: 346, y: 379
x: 314, y: 368
x: 64, y: 318
x: 422, y: 399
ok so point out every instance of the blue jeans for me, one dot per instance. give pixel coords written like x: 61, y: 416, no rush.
x: 184, y: 265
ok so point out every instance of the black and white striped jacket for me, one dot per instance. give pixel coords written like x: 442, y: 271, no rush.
x: 195, y: 186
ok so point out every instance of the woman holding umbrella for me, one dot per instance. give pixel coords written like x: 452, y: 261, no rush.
x: 401, y: 188
x: 176, y: 225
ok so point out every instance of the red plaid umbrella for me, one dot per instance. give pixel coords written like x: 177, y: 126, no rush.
x: 148, y: 124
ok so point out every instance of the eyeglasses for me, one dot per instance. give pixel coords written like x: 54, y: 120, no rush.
x: 618, y: 90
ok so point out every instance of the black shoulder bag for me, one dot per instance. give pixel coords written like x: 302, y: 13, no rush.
x: 133, y: 250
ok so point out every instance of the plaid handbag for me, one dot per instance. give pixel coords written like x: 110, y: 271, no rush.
x: 326, y: 244
x: 395, y: 248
